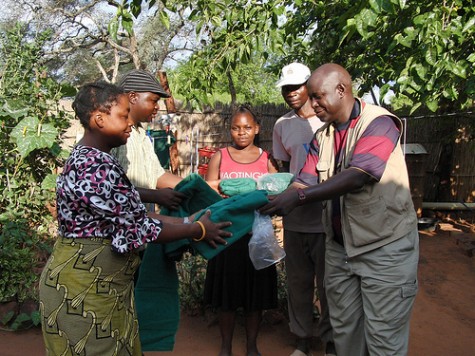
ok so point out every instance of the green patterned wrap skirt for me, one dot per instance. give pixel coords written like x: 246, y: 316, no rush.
x: 87, y: 300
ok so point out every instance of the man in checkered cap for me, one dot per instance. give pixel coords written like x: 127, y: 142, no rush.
x: 138, y: 156
x: 304, y: 237
x: 155, y: 185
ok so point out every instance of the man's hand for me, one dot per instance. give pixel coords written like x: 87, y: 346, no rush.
x: 169, y: 198
x: 165, y: 197
x: 281, y: 204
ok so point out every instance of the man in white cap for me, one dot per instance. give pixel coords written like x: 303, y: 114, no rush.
x: 304, y: 237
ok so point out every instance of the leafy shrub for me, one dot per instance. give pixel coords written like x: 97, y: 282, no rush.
x: 22, y: 256
x: 191, y: 274
x: 30, y: 124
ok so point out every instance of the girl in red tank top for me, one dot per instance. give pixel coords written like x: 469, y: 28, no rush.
x: 232, y: 282
x: 243, y: 159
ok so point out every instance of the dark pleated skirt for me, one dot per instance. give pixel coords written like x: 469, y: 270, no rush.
x: 232, y: 282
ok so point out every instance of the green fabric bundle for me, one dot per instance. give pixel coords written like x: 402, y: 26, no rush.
x: 199, y: 195
x: 235, y: 186
x: 157, y: 300
x: 156, y: 291
x: 238, y: 209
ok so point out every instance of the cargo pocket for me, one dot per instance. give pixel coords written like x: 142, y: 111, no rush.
x: 409, y: 290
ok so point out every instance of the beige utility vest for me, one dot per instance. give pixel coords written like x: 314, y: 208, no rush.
x: 378, y: 213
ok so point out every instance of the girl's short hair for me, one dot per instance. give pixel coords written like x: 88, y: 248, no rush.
x: 245, y: 109
x: 98, y: 96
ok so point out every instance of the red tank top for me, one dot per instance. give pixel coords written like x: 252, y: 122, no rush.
x: 229, y: 168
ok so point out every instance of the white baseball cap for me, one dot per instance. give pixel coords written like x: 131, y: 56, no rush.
x: 293, y: 74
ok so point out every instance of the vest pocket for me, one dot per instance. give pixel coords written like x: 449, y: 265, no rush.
x: 323, y: 170
x: 367, y: 222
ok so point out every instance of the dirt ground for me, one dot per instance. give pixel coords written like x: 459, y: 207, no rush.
x: 443, y: 321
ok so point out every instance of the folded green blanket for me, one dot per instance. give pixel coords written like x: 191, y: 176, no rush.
x: 157, y: 300
x: 238, y: 209
x: 235, y: 186
x: 156, y: 290
x: 199, y: 195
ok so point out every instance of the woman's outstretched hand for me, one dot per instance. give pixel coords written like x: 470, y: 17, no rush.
x: 214, y: 233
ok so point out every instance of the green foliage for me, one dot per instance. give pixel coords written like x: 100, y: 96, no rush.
x: 422, y: 50
x: 30, y: 124
x: 126, y: 12
x: 21, y: 252
x: 21, y: 321
x: 232, y: 36
x: 241, y: 37
x: 18, y: 257
x: 253, y: 83
x: 191, y: 274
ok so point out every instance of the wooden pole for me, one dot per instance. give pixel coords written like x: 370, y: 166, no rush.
x: 169, y: 102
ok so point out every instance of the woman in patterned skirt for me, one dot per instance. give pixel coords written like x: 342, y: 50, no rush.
x: 86, y: 288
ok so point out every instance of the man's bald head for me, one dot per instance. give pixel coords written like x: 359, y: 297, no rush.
x: 331, y: 93
x: 333, y: 71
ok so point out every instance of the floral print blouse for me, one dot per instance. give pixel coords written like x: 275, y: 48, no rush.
x: 96, y: 199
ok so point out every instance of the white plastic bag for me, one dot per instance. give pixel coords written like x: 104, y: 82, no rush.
x: 264, y: 249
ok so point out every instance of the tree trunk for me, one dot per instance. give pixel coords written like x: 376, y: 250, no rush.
x: 232, y: 89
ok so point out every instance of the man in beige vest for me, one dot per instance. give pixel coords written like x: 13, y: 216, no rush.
x: 356, y: 167
x: 304, y: 236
